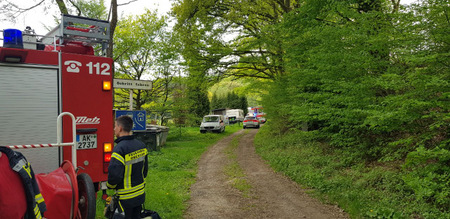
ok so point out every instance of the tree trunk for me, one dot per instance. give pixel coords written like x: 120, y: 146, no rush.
x: 113, y: 24
x: 62, y: 7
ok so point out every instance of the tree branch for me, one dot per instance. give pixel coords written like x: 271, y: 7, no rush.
x: 27, y: 9
x: 396, y: 5
x: 76, y: 6
x: 131, y: 1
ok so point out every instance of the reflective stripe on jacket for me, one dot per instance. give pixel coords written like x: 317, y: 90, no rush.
x: 127, y: 171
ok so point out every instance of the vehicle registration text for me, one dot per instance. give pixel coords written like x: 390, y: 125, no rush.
x: 87, y: 141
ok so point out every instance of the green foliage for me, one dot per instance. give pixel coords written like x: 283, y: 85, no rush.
x: 230, y: 101
x: 251, y: 50
x: 250, y: 88
x: 429, y: 176
x: 375, y: 190
x: 373, y: 87
x: 364, y: 79
x: 92, y: 9
x: 197, y: 97
x: 235, y: 172
x: 139, y: 44
x: 362, y: 85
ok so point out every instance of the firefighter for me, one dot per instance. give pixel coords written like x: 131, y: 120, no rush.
x: 128, y: 168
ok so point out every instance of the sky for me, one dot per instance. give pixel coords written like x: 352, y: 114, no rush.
x: 36, y: 20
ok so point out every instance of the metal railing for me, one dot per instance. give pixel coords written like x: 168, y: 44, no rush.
x: 72, y: 28
x: 59, y: 143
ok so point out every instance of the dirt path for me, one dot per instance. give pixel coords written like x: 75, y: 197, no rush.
x: 266, y: 195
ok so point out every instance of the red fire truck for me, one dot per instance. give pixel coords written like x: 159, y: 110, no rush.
x: 43, y: 76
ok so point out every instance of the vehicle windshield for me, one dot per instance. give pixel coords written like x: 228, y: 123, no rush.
x: 210, y: 119
x: 249, y: 118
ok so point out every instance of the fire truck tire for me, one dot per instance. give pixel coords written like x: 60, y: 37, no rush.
x: 86, y: 193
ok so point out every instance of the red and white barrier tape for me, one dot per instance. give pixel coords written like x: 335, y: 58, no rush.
x: 29, y: 146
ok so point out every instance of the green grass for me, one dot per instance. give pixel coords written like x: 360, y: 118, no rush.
x: 234, y: 171
x: 172, y: 170
x: 375, y: 190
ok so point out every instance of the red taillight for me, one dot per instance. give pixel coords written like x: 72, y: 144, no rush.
x: 107, y: 149
x: 107, y: 157
x: 245, y: 120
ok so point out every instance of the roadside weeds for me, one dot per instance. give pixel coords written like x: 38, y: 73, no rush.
x: 234, y: 171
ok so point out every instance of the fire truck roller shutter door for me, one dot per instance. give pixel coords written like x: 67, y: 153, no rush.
x: 28, y: 112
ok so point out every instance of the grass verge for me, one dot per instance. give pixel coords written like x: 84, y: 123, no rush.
x: 374, y: 190
x: 234, y: 171
x: 172, y: 170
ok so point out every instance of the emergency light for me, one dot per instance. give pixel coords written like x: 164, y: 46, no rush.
x: 106, y: 85
x: 107, y: 147
x: 12, y: 38
x: 107, y: 154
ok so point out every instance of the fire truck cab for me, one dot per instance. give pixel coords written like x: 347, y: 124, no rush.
x: 43, y: 76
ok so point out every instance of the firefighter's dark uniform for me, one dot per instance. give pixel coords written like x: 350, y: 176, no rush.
x: 127, y: 171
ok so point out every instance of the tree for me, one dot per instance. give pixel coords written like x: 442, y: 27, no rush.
x: 364, y: 77
x: 231, y: 101
x: 204, y: 27
x: 92, y: 9
x: 215, y: 102
x: 138, y: 44
x: 243, y: 104
x: 180, y: 108
x: 254, y: 52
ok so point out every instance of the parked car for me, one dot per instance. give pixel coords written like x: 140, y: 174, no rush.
x: 261, y: 118
x: 212, y: 123
x: 251, y: 122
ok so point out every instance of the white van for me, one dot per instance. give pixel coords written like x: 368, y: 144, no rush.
x: 235, y: 115
x: 212, y: 123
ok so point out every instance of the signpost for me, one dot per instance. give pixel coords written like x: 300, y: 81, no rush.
x: 132, y: 84
x: 138, y: 116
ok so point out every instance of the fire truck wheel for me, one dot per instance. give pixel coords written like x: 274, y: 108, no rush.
x: 86, y: 193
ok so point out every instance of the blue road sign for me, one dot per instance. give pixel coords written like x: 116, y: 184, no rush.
x: 138, y: 116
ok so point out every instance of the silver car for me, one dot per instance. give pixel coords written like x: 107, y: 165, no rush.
x: 251, y: 122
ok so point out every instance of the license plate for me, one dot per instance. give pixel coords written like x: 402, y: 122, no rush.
x: 87, y: 141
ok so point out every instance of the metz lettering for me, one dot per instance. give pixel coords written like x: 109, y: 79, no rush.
x: 86, y: 120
